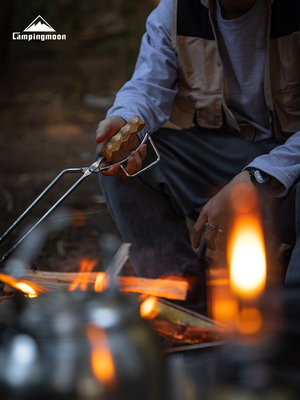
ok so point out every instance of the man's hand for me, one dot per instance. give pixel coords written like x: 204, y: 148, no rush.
x: 106, y: 130
x: 218, y: 211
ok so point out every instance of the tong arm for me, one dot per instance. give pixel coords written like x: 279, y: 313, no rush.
x: 114, y: 145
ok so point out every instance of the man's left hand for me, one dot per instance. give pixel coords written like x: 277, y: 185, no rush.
x: 217, y: 212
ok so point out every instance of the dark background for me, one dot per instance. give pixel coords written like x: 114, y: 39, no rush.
x: 53, y: 95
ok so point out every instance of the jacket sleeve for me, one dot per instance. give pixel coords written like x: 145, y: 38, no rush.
x: 283, y: 163
x: 153, y: 86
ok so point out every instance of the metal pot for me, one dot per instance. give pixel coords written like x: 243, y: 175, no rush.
x: 81, y: 345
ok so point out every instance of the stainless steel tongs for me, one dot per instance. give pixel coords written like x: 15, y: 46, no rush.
x: 106, y: 154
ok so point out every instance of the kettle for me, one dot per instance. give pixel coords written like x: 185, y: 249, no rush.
x: 81, y: 345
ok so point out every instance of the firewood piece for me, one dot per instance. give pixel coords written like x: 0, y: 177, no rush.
x: 117, y: 263
x: 183, y: 332
x: 167, y: 288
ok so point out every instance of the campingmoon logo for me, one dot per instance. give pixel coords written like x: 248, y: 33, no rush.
x: 40, y: 30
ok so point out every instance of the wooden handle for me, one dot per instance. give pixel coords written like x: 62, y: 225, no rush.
x: 125, y: 134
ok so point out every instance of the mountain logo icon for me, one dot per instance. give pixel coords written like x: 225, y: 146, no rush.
x: 38, y: 30
x: 39, y: 25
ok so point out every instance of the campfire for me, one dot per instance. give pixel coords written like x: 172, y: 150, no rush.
x: 98, y: 281
x: 170, y: 321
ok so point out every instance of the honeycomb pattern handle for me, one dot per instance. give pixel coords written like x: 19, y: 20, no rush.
x: 125, y: 134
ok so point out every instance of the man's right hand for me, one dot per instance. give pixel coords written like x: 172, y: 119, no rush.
x: 106, y: 130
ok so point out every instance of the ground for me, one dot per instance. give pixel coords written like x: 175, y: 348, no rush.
x: 40, y: 136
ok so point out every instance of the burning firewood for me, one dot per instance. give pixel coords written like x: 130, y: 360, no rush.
x: 179, y: 326
x: 167, y: 288
x: 184, y: 332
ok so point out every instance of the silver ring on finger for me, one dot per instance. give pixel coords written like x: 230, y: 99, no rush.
x: 210, y: 226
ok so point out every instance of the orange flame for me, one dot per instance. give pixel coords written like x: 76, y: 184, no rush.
x: 101, y: 282
x: 247, y: 258
x: 101, y: 358
x: 81, y: 281
x: 30, y: 289
x: 147, y: 308
x: 246, y: 250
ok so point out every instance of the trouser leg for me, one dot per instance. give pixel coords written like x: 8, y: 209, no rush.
x: 146, y: 218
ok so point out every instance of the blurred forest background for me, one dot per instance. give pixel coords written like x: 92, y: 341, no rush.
x: 53, y: 95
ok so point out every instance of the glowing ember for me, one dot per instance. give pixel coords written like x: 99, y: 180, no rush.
x: 81, y: 281
x: 147, y: 308
x: 101, y: 358
x: 30, y: 289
